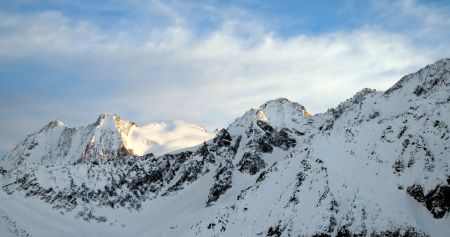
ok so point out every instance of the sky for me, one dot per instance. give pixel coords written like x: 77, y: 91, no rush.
x: 206, y: 61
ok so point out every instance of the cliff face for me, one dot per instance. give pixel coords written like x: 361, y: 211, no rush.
x: 376, y: 165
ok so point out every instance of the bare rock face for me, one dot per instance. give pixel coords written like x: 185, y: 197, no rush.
x: 437, y: 201
x: 222, y: 182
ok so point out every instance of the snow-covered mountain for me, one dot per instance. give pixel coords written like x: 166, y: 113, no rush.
x: 108, y: 138
x: 376, y: 165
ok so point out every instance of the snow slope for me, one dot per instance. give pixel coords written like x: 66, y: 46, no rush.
x: 376, y: 165
x: 160, y: 138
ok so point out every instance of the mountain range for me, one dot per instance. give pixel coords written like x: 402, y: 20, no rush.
x: 375, y: 165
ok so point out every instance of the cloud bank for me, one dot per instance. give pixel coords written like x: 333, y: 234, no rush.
x: 167, y: 66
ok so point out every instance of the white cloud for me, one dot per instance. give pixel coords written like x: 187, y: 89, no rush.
x: 175, y: 73
x: 430, y: 16
x: 423, y: 23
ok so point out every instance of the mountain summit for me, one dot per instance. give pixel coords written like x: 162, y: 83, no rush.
x: 280, y: 113
x: 375, y: 165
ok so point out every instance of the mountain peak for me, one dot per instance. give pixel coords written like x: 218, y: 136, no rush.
x: 281, y: 112
x: 282, y: 105
x: 105, y: 117
x: 279, y: 100
x: 51, y: 125
x: 55, y: 123
x: 423, y: 81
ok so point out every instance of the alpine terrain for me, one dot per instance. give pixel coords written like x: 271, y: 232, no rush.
x: 376, y: 165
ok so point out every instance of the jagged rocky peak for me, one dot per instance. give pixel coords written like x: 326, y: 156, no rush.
x: 114, y: 121
x: 423, y: 81
x: 106, y: 142
x: 281, y: 109
x: 55, y: 123
x: 282, y: 102
x: 352, y: 103
x: 101, y: 118
x: 282, y: 113
x: 279, y: 113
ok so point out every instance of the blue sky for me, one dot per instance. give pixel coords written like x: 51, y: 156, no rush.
x: 206, y: 62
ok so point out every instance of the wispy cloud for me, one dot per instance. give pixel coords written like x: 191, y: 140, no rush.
x: 55, y: 65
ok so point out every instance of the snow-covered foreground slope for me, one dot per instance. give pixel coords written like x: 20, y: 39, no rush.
x: 376, y: 165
